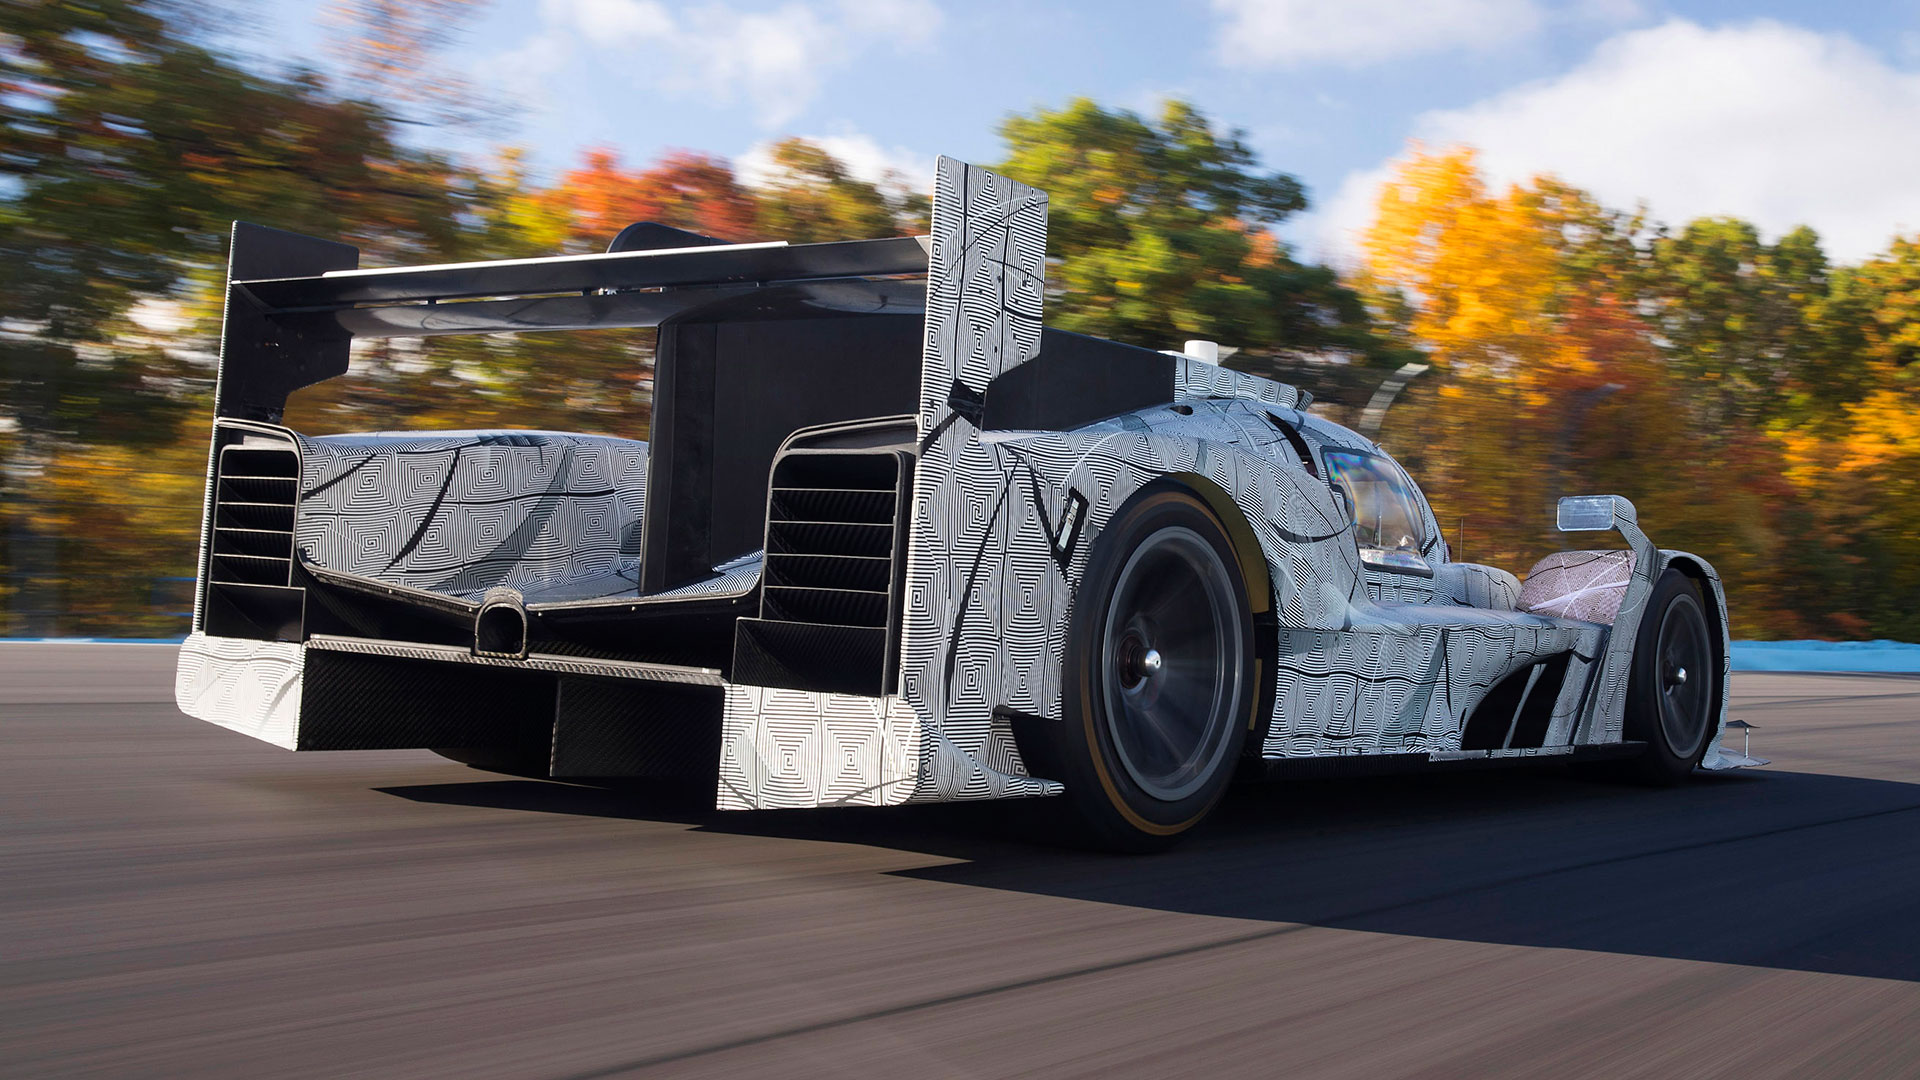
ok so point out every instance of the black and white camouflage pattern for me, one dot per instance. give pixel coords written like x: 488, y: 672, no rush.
x: 960, y: 645
x: 553, y: 516
x: 1000, y: 534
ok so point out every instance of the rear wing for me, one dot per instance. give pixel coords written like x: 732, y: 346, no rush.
x: 294, y: 303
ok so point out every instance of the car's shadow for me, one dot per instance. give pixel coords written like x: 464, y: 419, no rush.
x: 1776, y: 869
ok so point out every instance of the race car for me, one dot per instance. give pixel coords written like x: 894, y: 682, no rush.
x: 891, y: 540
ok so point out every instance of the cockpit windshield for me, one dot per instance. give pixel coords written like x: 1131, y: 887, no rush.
x: 1386, y: 523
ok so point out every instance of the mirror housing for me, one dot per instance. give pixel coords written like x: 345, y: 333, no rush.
x: 1593, y: 513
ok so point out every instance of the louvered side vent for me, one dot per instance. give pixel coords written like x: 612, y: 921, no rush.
x: 1516, y: 713
x: 830, y: 596
x: 250, y: 589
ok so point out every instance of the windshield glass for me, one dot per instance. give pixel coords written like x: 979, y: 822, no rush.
x: 1385, y: 523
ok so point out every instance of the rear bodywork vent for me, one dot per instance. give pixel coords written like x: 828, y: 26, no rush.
x: 830, y: 598
x: 250, y: 592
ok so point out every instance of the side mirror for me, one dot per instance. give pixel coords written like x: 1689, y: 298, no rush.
x: 1593, y: 513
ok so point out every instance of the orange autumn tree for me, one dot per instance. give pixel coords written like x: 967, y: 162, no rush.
x: 805, y: 196
x: 683, y: 189
x: 1478, y: 271
x: 1548, y: 379
x: 1476, y: 280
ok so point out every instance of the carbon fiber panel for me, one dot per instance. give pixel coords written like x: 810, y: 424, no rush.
x: 564, y: 665
x: 607, y: 727
x: 355, y: 701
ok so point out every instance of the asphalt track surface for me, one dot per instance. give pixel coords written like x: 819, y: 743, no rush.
x: 176, y: 899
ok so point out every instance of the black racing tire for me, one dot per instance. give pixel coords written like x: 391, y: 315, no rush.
x: 1158, y: 682
x: 1673, y: 688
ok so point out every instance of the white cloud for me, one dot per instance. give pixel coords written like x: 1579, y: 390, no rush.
x: 865, y: 158
x: 1330, y: 230
x: 1265, y: 33
x: 913, y: 21
x: 774, y: 59
x: 1773, y: 123
x: 616, y: 22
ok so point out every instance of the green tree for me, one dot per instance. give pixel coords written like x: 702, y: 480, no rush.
x: 1856, y: 461
x: 126, y: 148
x: 1889, y: 287
x: 812, y: 196
x: 1738, y: 316
x: 1160, y: 231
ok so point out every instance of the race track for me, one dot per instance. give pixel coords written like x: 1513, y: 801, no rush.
x: 176, y: 899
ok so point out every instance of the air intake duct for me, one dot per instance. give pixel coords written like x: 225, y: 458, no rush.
x: 836, y: 550
x: 249, y: 581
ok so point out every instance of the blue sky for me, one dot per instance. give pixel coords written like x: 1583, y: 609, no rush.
x: 1780, y: 112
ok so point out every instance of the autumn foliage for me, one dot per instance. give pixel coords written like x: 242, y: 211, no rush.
x: 1759, y: 405
x: 684, y: 189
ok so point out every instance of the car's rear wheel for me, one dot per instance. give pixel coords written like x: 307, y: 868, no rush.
x: 1673, y: 692
x: 1159, y: 684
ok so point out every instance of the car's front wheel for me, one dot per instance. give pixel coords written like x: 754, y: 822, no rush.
x: 1159, y: 687
x: 1673, y: 692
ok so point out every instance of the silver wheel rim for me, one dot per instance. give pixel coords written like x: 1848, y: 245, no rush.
x: 1682, y: 657
x: 1171, y: 663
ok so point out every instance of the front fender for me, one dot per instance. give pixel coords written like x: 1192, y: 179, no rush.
x: 1701, y: 570
x: 1605, y: 719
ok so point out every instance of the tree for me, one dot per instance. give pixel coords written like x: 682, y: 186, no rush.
x: 1890, y: 285
x: 1857, y: 462
x: 683, y: 189
x: 1477, y: 276
x: 387, y: 50
x: 1160, y: 231
x: 126, y: 148
x: 1555, y: 378
x: 811, y: 197
x: 1475, y: 280
x: 127, y: 151
x: 1736, y: 310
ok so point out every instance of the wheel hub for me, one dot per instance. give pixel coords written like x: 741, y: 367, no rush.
x: 1139, y: 661
x: 1685, y: 706
x: 1173, y: 663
